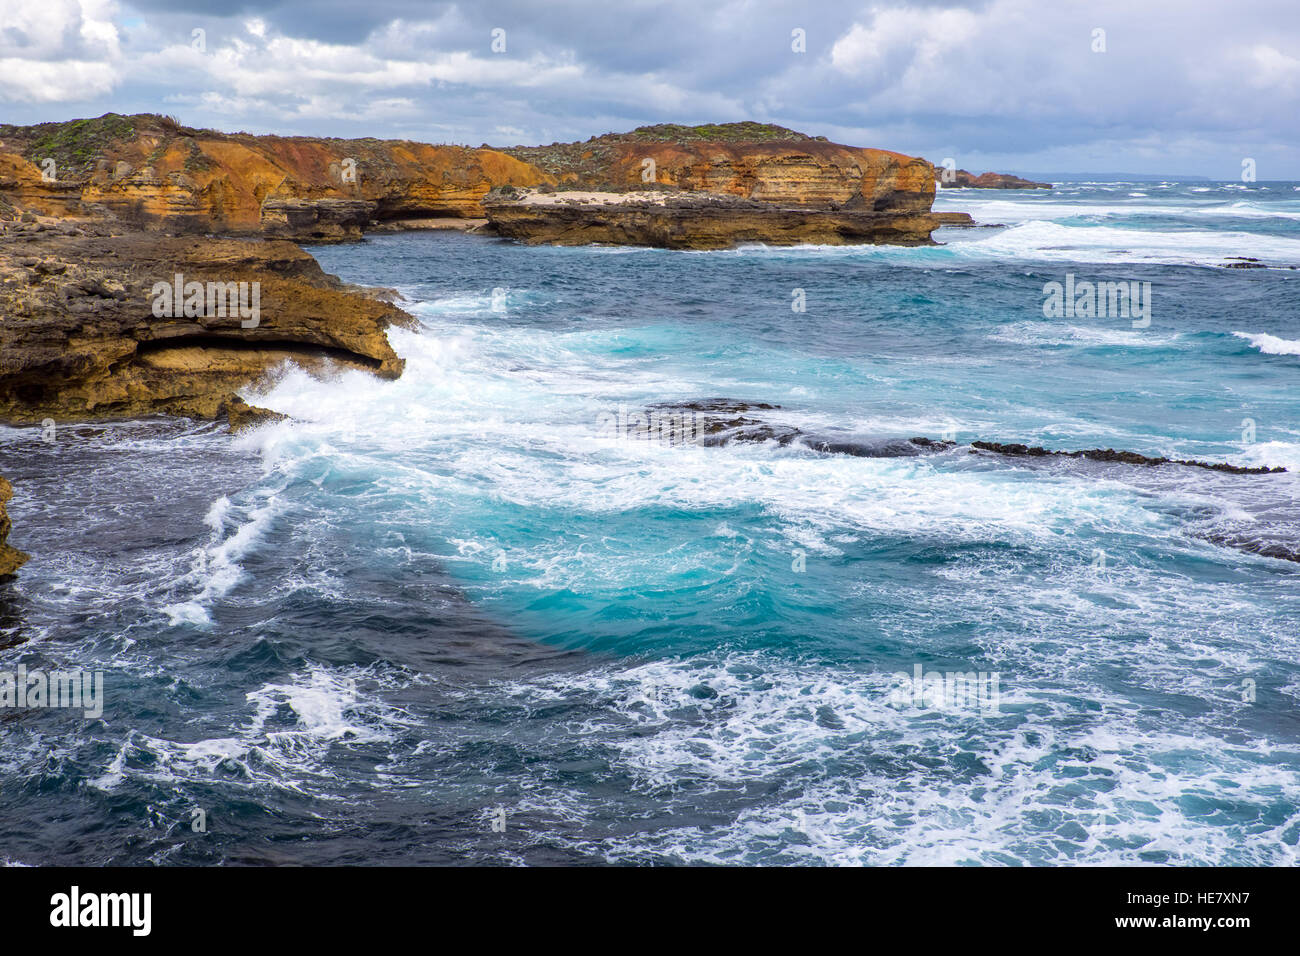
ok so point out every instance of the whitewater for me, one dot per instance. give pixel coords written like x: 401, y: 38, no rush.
x: 416, y: 608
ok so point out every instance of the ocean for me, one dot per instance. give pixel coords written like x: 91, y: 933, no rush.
x: 460, y: 618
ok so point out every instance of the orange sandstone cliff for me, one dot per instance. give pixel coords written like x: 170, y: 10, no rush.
x: 754, y: 161
x: 152, y: 173
x: 734, y: 182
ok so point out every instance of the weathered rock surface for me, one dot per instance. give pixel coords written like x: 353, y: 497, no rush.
x: 316, y: 219
x: 690, y: 221
x: 11, y: 559
x: 751, y: 161
x: 1124, y: 457
x: 961, y: 220
x: 152, y: 172
x: 79, y: 338
x: 963, y: 180
x: 721, y: 421
x: 709, y: 187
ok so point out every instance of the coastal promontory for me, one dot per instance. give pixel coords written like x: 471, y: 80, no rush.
x: 707, y: 187
x: 152, y: 173
x: 96, y: 325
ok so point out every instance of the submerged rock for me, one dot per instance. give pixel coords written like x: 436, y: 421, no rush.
x: 723, y: 421
x: 720, y: 421
x: 1124, y: 457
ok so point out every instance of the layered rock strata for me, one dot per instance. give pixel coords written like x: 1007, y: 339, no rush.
x: 961, y: 179
x: 113, y: 326
x: 707, y: 187
x: 151, y: 172
x: 746, y: 160
x: 691, y: 221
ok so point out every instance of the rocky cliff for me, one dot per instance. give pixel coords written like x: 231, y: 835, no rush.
x: 153, y: 173
x: 11, y: 559
x: 747, y: 160
x: 961, y: 179
x: 717, y: 185
x: 111, y: 326
x: 690, y: 220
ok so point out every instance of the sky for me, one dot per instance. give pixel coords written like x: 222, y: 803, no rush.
x: 1147, y: 86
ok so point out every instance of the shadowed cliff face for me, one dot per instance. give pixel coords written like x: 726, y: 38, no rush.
x: 153, y: 173
x: 82, y: 337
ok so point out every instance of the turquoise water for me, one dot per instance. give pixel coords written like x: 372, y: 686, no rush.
x: 363, y: 635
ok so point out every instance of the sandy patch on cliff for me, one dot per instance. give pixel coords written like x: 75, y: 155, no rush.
x: 584, y: 197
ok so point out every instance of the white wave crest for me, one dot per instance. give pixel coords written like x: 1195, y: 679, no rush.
x: 1270, y: 344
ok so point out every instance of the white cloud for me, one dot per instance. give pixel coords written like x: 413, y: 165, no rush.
x: 902, y: 36
x: 34, y: 82
x: 1274, y: 69
x: 58, y: 50
x: 934, y: 77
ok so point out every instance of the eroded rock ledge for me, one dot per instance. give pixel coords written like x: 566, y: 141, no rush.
x: 721, y: 421
x: 961, y: 179
x: 692, y: 220
x: 79, y: 338
x: 1123, y: 457
x: 11, y: 559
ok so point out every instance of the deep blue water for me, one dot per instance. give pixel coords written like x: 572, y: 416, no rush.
x: 362, y: 636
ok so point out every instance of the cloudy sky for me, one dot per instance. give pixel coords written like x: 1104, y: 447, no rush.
x: 1170, y: 86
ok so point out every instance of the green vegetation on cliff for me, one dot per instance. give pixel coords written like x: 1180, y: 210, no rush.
x: 74, y: 145
x: 714, y: 132
x: 586, y: 159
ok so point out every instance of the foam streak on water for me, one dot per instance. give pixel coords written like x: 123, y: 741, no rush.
x: 366, y: 633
